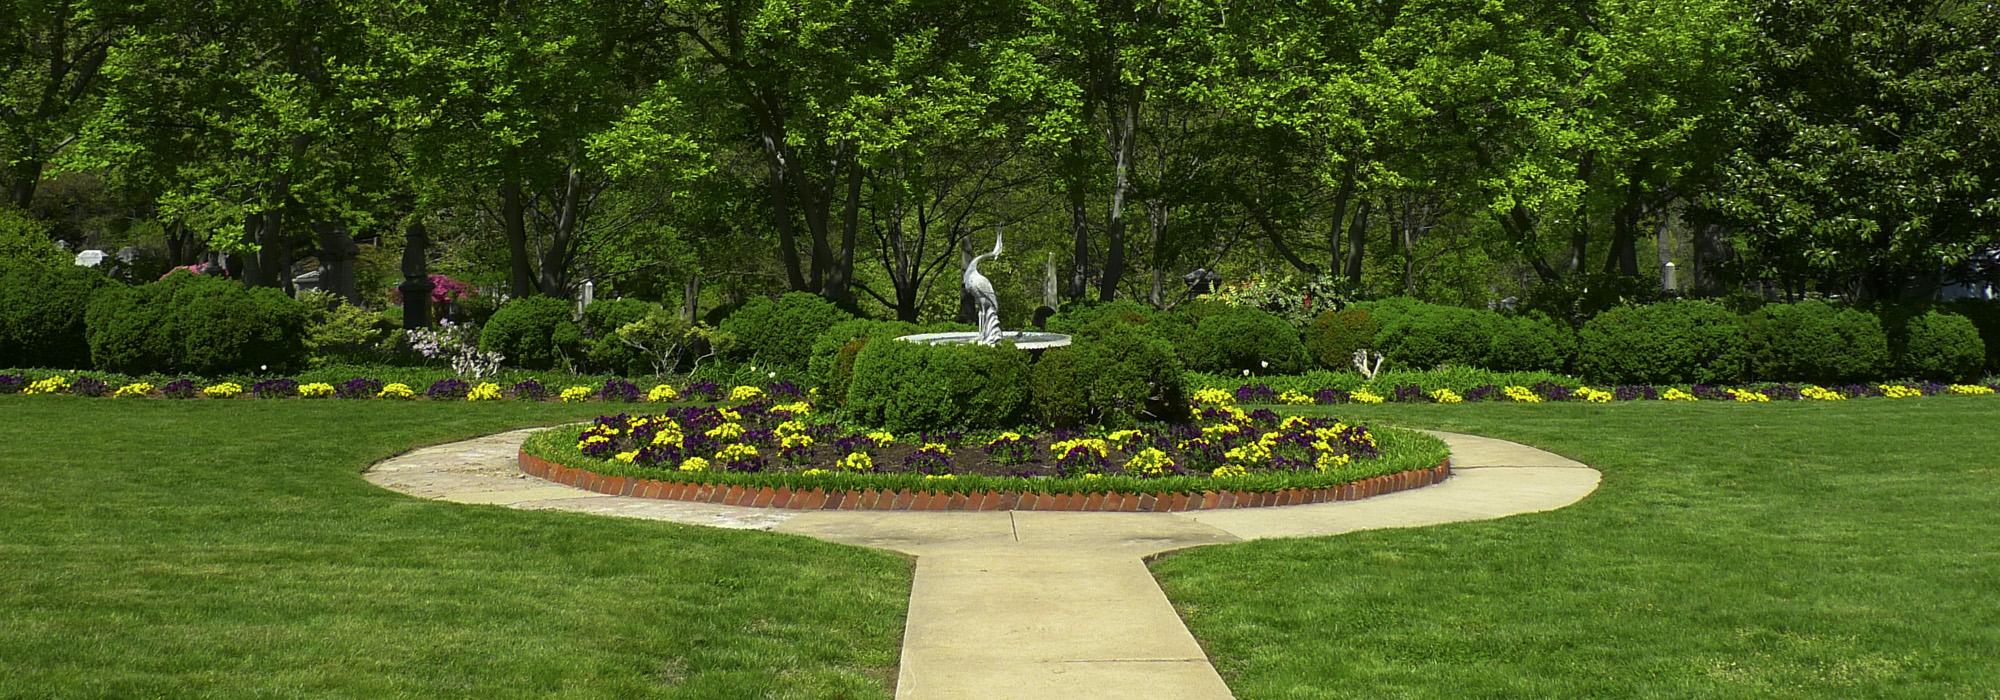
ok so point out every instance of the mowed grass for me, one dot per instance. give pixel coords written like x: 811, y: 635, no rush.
x: 1780, y: 550
x: 157, y: 548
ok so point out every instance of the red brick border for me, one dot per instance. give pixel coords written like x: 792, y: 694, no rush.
x: 871, y: 499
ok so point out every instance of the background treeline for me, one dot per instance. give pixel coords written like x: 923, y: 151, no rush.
x: 701, y: 153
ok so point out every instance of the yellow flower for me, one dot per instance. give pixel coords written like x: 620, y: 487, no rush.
x: 1293, y: 398
x: 1816, y: 393
x: 745, y: 393
x: 1292, y: 423
x: 725, y: 432
x: 794, y: 409
x: 881, y: 438
x: 1968, y: 390
x: 790, y: 427
x: 577, y: 393
x: 1328, y: 461
x: 396, y: 390
x: 1230, y: 470
x: 662, y: 393
x: 1446, y: 396
x: 626, y: 457
x: 1213, y: 397
x: 1149, y: 462
x: 669, y: 436
x: 486, y: 391
x: 694, y: 464
x: 316, y: 390
x: 1365, y: 396
x: 225, y: 390
x: 798, y: 441
x: 857, y: 462
x: 936, y: 447
x: 1092, y: 444
x: 589, y: 440
x: 139, y: 389
x: 1593, y: 395
x: 1522, y: 394
x: 1898, y: 391
x: 737, y: 451
x: 729, y: 416
x: 1221, y: 429
x: 814, y: 472
x: 1748, y: 396
x: 928, y: 477
x: 1678, y: 395
x: 52, y: 385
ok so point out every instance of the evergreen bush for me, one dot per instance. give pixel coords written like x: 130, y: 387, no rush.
x: 1673, y: 342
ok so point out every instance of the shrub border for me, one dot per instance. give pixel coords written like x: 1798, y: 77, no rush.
x: 905, y: 499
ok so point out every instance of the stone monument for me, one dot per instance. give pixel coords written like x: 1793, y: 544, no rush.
x: 987, y: 303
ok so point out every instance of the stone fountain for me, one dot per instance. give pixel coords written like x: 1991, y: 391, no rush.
x: 988, y: 305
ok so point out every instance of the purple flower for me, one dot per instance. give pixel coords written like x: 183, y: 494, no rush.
x: 529, y: 390
x: 784, y: 388
x: 1080, y: 460
x: 1255, y: 393
x: 89, y: 386
x: 1929, y: 388
x: 1411, y: 393
x: 1264, y: 416
x: 12, y: 383
x: 358, y: 388
x: 1482, y: 392
x: 275, y: 388
x: 619, y: 390
x: 1551, y: 390
x: 445, y: 389
x: 1709, y: 392
x: 1857, y: 391
x: 1330, y: 395
x: 1782, y: 392
x: 1635, y: 392
x: 179, y: 389
x: 707, y: 390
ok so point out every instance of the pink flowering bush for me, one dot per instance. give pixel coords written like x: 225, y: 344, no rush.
x: 444, y: 290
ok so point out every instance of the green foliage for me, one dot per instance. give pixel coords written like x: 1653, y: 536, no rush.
x: 534, y: 332
x: 907, y: 387
x: 1578, y: 298
x: 1985, y: 315
x: 1334, y: 337
x: 669, y: 343
x: 341, y: 333
x: 1416, y: 335
x: 1674, y: 342
x: 831, y: 366
x: 42, y: 312
x: 1113, y: 380
x: 1098, y: 319
x: 603, y: 349
x: 195, y: 323
x: 1226, y: 338
x: 1529, y: 344
x: 1814, y: 341
x: 781, y: 331
x: 26, y: 240
x: 1941, y: 346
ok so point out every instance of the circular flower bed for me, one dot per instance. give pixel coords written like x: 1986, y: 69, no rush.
x: 761, y: 444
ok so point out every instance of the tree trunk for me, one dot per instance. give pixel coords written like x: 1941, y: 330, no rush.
x: 1340, y: 199
x: 840, y: 275
x: 691, y: 299
x: 416, y: 286
x: 555, y: 264
x: 1079, y: 224
x: 1156, y: 218
x: 26, y: 175
x: 513, y: 222
x: 1709, y: 254
x: 1579, y: 236
x: 1125, y: 139
x: 775, y: 157
x: 1357, y: 235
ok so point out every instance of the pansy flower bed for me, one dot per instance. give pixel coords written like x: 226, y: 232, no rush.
x: 764, y: 443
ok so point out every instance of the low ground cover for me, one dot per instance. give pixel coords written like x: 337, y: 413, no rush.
x: 230, y: 549
x: 1802, y: 549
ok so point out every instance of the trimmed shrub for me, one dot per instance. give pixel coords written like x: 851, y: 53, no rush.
x: 1675, y: 342
x: 535, y: 332
x: 781, y: 331
x: 194, y: 323
x: 1985, y: 316
x: 602, y: 347
x: 1814, y: 341
x: 1529, y: 344
x: 1240, y: 338
x: 42, y: 313
x: 1110, y: 381
x: 1094, y: 319
x: 908, y: 387
x: 1942, y: 347
x: 1415, y: 335
x: 831, y: 365
x: 1333, y: 338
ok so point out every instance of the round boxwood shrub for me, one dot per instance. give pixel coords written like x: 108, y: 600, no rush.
x: 912, y: 387
x: 831, y: 366
x: 1941, y: 346
x: 1235, y: 338
x: 1423, y: 336
x: 41, y: 313
x: 602, y: 348
x: 1814, y: 341
x: 1096, y: 319
x: 195, y: 324
x: 534, y: 332
x: 1110, y: 381
x: 781, y: 331
x: 1674, y: 342
x: 1529, y: 344
x: 1985, y: 316
x: 1334, y: 336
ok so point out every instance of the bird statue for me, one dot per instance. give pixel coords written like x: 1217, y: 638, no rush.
x: 983, y: 297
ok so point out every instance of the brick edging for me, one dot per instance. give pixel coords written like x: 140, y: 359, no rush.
x: 905, y: 499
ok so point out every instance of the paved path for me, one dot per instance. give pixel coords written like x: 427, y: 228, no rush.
x: 1035, y: 604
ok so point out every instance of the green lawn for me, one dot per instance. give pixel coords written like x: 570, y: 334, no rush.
x: 1802, y: 550
x: 231, y: 549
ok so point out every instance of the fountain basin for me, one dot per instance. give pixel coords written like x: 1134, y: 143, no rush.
x: 1025, y: 340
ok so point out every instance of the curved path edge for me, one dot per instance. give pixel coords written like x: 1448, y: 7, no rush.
x: 1034, y: 604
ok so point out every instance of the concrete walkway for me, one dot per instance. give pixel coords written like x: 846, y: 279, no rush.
x: 1035, y: 604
